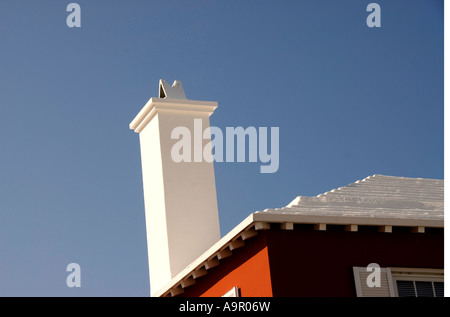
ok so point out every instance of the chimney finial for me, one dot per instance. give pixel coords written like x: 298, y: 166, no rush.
x: 171, y: 92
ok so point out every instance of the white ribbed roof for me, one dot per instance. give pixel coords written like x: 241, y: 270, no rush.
x: 377, y: 197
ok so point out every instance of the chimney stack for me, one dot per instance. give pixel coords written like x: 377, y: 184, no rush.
x: 181, y: 213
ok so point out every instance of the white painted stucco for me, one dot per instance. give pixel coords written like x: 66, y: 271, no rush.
x: 180, y: 199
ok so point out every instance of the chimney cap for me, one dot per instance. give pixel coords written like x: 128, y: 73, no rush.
x: 175, y: 91
x: 170, y: 98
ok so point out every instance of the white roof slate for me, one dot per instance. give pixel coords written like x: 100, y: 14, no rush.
x: 388, y: 198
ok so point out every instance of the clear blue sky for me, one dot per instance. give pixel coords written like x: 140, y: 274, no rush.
x: 350, y: 101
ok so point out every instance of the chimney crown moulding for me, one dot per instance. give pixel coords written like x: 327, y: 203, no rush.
x: 171, y: 98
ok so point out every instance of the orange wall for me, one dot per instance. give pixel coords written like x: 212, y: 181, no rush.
x: 252, y: 278
x: 248, y: 269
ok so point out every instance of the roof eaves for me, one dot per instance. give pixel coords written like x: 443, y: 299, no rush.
x: 273, y: 217
x: 213, y: 253
x: 262, y: 220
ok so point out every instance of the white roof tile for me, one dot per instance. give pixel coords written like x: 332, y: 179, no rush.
x: 376, y: 196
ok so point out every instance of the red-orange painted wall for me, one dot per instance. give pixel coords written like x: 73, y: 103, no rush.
x: 247, y: 268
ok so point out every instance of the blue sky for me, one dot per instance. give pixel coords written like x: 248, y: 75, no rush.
x: 350, y: 101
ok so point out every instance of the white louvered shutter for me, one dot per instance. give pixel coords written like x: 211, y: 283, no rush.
x: 362, y: 287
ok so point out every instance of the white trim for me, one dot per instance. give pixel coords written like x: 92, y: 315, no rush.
x: 187, y: 282
x: 160, y: 104
x: 259, y: 225
x: 419, y: 229
x: 357, y: 270
x: 273, y: 217
x: 223, y: 254
x: 385, y: 229
x: 391, y: 282
x: 416, y: 274
x: 248, y: 234
x: 351, y: 228
x: 234, y: 292
x: 287, y: 226
x: 320, y: 226
x: 236, y: 244
x: 357, y: 278
x: 395, y: 274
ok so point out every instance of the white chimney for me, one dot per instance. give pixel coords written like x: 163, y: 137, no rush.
x: 181, y: 213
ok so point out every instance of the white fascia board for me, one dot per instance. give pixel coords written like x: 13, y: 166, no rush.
x: 235, y: 232
x: 345, y: 220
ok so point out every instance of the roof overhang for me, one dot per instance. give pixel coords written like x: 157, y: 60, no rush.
x: 257, y: 221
